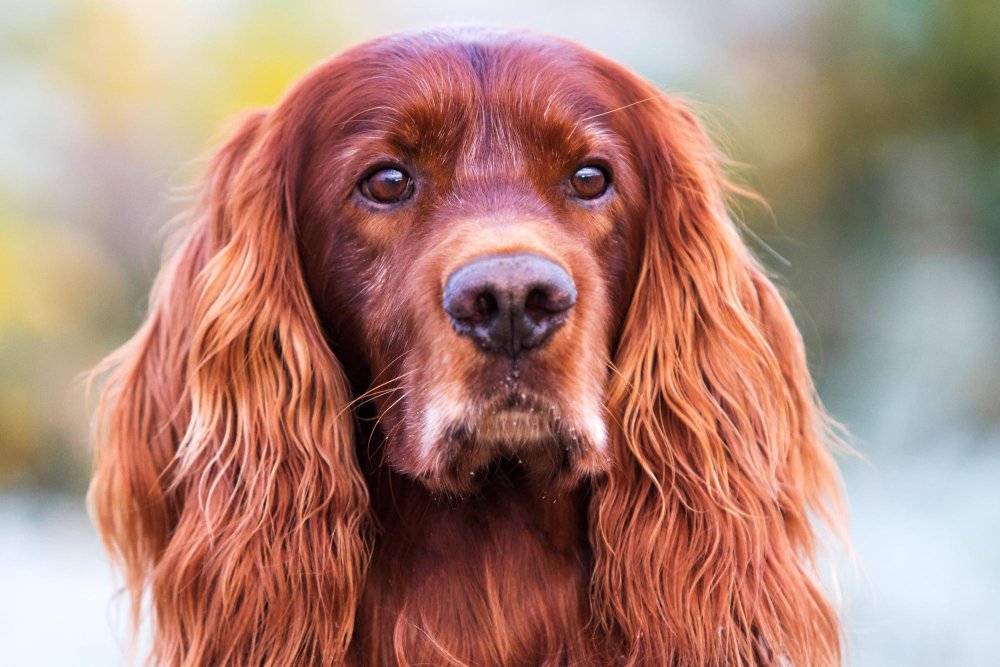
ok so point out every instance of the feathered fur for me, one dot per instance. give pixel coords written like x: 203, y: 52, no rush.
x: 258, y: 465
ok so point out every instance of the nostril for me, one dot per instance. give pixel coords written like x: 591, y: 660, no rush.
x: 485, y: 307
x: 538, y: 305
x: 547, y: 300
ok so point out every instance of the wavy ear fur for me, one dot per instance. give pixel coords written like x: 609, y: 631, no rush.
x: 226, y: 482
x: 702, y: 539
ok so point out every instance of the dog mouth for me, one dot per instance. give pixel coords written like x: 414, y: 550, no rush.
x: 515, y: 425
x: 517, y: 417
x: 515, y: 438
x: 513, y: 419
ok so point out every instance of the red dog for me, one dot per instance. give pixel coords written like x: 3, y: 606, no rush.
x: 461, y: 361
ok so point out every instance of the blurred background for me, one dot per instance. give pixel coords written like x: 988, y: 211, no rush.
x: 871, y: 126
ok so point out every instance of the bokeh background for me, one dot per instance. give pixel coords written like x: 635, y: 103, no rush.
x: 871, y: 126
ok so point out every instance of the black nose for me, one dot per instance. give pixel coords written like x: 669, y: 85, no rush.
x: 509, y: 303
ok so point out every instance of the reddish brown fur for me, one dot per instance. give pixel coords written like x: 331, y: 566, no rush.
x: 297, y: 455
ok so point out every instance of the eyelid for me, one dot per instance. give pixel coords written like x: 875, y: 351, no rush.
x: 599, y: 161
x: 379, y: 164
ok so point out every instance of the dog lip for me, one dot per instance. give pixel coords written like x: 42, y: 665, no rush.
x: 518, y: 400
x: 515, y: 400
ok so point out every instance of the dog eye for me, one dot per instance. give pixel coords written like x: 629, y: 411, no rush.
x: 387, y: 186
x: 589, y: 182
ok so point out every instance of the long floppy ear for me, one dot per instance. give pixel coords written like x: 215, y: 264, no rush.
x: 226, y: 483
x: 703, y: 544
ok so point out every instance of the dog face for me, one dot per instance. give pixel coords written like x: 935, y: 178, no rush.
x: 465, y: 218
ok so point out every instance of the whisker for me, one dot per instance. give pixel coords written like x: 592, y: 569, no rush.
x: 617, y: 109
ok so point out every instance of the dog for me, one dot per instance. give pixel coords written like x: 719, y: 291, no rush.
x: 461, y: 360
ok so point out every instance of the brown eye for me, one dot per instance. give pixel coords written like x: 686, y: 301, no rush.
x: 589, y: 182
x: 387, y: 186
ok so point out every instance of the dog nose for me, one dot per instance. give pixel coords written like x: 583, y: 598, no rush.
x: 509, y: 303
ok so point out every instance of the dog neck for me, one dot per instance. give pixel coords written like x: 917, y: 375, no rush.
x: 499, y: 577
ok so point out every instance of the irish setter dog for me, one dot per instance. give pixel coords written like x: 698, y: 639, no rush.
x: 460, y: 360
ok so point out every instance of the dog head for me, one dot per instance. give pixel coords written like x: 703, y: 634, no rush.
x: 519, y: 250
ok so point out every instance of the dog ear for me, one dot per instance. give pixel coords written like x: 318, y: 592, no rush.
x: 226, y: 483
x: 703, y: 544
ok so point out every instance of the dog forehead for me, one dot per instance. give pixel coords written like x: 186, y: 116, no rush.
x: 430, y: 83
